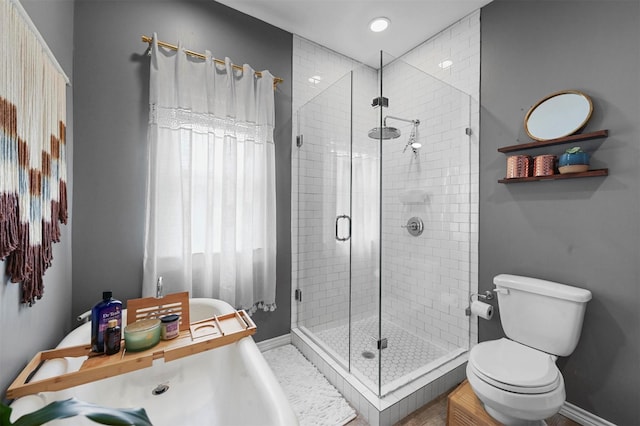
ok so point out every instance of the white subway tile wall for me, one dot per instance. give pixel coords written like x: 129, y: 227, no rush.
x: 453, y: 56
x: 425, y: 284
x: 426, y: 280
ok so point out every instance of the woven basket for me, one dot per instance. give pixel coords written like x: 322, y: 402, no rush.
x: 544, y: 165
x: 518, y: 166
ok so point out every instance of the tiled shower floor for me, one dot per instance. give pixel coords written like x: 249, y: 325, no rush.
x: 405, y: 353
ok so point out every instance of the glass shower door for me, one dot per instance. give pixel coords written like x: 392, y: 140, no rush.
x: 323, y: 157
x: 385, y: 302
x: 366, y: 342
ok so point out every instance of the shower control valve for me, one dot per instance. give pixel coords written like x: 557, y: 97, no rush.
x: 414, y: 226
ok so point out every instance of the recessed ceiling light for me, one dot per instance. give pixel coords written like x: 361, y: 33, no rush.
x: 315, y: 79
x: 379, y: 24
x: 445, y: 64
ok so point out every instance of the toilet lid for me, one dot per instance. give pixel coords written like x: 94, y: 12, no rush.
x: 514, y: 367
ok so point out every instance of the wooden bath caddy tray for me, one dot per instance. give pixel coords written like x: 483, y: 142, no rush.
x: 194, y: 338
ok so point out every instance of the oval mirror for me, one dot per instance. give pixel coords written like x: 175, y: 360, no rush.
x: 558, y: 115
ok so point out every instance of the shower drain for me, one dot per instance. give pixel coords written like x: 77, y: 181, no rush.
x: 368, y: 355
x: 160, y: 389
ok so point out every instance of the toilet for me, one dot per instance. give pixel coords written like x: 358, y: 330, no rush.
x: 516, y: 377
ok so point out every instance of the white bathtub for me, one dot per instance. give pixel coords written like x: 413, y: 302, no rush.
x: 230, y: 385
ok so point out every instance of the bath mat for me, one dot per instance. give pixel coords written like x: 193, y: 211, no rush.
x: 314, y: 400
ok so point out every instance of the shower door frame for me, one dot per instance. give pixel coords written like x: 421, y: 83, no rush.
x: 342, y: 217
x: 356, y: 307
x: 342, y: 222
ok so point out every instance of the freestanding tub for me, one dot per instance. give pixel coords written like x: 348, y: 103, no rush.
x: 229, y: 385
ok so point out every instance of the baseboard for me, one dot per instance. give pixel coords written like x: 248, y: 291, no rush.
x: 275, y: 342
x: 582, y: 417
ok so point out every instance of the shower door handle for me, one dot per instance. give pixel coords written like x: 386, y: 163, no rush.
x: 343, y: 216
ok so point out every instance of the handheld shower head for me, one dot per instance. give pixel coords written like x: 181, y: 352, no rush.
x: 413, y: 141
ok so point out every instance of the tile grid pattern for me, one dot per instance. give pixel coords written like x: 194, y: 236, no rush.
x: 427, y: 281
x: 426, y: 278
x: 460, y: 44
x: 404, y: 354
x: 394, y: 406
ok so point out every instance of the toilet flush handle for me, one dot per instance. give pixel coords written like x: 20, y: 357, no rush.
x: 501, y: 290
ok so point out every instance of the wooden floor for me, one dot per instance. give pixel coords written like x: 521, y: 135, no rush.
x: 435, y: 414
x: 432, y: 414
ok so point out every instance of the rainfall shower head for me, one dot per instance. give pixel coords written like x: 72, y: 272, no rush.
x: 384, y: 133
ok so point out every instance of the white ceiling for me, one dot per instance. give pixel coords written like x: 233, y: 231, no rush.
x: 343, y: 25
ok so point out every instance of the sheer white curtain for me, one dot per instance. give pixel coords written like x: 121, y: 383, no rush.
x: 211, y: 211
x: 365, y: 210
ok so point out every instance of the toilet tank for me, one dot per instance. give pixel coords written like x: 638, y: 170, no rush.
x: 542, y: 314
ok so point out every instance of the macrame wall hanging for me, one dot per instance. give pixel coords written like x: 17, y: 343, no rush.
x: 33, y: 191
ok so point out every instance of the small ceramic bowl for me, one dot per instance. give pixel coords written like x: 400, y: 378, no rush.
x: 141, y: 335
x: 576, y: 162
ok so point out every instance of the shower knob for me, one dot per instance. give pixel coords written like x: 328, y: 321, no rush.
x: 414, y: 226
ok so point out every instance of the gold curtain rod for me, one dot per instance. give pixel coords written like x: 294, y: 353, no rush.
x: 147, y: 39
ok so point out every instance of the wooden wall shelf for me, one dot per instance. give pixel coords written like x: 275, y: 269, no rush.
x: 590, y: 173
x: 541, y: 144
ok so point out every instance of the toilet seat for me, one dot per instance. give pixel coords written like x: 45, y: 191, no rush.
x: 514, y: 367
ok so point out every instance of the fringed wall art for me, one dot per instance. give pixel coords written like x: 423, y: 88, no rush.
x: 33, y: 187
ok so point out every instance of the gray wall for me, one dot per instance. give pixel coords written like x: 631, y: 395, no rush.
x: 584, y: 232
x: 111, y: 114
x: 23, y: 330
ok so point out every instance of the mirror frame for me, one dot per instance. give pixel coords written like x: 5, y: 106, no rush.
x: 553, y: 95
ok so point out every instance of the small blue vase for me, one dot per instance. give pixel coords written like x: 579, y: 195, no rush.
x: 573, y: 163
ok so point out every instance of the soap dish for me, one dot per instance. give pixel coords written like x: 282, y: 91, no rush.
x: 413, y: 196
x: 205, y: 328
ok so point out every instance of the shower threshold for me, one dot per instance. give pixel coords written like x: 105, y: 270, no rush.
x: 406, y: 358
x: 395, y: 404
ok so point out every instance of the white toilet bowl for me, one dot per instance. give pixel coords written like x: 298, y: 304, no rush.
x: 516, y: 377
x: 518, y: 385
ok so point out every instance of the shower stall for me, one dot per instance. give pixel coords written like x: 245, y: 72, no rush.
x: 381, y: 224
